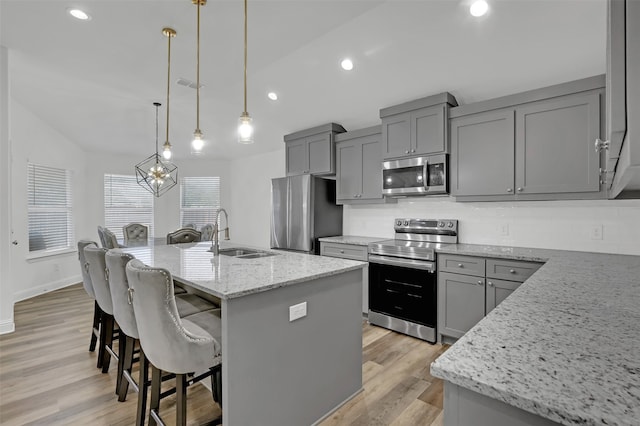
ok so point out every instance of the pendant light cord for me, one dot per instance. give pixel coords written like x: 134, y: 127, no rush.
x: 156, y: 105
x: 245, y: 57
x: 169, y: 35
x: 198, y: 72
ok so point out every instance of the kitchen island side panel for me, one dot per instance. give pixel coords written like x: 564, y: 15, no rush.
x: 277, y: 372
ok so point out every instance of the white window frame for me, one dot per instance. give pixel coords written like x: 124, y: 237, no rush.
x: 38, y: 195
x: 200, y: 211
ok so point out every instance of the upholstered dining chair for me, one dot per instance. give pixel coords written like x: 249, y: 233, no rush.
x: 135, y: 232
x: 190, y: 225
x: 181, y: 346
x: 88, y: 287
x: 184, y: 235
x: 207, y: 232
x: 97, y: 268
x: 101, y: 236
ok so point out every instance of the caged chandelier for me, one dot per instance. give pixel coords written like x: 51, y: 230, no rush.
x: 155, y: 174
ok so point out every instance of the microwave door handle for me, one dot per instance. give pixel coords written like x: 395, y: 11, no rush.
x: 425, y: 176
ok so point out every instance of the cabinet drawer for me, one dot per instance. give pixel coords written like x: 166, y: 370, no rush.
x: 345, y: 251
x: 511, y: 270
x: 466, y: 265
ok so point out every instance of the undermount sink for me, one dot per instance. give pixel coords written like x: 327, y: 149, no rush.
x: 245, y: 253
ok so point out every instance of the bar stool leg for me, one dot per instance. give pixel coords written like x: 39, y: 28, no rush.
x: 181, y: 399
x: 95, y: 328
x: 126, y: 359
x: 143, y: 385
x: 107, y: 325
x: 122, y: 347
x: 156, y: 383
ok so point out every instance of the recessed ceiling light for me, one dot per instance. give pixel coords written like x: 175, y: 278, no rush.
x: 479, y: 8
x: 346, y: 64
x: 79, y: 14
x: 273, y: 96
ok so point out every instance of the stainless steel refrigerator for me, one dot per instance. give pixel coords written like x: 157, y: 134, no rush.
x: 303, y: 209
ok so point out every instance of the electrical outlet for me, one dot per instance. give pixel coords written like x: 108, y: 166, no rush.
x: 597, y: 232
x: 297, y: 311
x: 504, y: 229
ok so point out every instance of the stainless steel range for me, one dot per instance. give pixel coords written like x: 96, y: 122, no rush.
x: 402, y: 276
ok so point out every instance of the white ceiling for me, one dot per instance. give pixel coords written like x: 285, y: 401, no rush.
x: 95, y: 81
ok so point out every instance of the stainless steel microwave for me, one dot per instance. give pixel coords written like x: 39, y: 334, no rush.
x: 415, y: 176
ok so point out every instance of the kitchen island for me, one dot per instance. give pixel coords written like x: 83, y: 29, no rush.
x: 564, y: 348
x: 277, y: 371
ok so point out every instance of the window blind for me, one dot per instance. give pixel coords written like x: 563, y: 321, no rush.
x: 50, y: 208
x: 126, y: 202
x: 199, y: 200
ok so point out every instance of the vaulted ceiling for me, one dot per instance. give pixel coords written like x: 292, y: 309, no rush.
x: 95, y: 81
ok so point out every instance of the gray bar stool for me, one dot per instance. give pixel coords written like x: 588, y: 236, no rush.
x: 95, y: 258
x: 88, y: 287
x: 181, y: 346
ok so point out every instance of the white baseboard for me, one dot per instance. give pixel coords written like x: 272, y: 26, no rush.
x: 7, y: 326
x: 46, y: 288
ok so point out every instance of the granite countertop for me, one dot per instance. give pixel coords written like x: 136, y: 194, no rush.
x: 351, y: 239
x: 228, y: 277
x: 565, y: 345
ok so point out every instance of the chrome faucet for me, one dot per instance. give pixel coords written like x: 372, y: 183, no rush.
x: 215, y: 243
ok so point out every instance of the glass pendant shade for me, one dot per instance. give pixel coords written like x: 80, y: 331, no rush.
x: 197, y: 143
x: 245, y: 129
x: 166, y: 151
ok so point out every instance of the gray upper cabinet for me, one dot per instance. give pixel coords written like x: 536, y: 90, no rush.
x: 482, y: 153
x: 358, y: 167
x: 555, y: 145
x: 536, y: 145
x: 416, y: 128
x: 312, y: 151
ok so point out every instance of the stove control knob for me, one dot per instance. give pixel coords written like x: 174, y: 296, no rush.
x: 450, y: 224
x: 441, y: 224
x: 406, y: 223
x: 399, y: 223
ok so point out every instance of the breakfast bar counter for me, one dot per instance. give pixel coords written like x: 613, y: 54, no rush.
x: 562, y: 349
x: 280, y: 366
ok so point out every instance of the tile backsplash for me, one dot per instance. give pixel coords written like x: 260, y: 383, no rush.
x: 610, y: 226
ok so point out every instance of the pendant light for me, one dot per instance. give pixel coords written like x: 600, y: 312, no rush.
x: 169, y: 33
x: 198, y: 143
x: 154, y: 174
x: 245, y: 128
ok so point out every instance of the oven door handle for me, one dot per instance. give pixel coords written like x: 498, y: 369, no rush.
x: 405, y: 263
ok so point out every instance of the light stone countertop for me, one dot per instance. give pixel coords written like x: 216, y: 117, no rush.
x: 565, y: 345
x: 351, y: 239
x: 228, y: 277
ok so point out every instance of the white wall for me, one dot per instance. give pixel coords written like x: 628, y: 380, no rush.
x: 34, y: 141
x: 566, y: 225
x: 250, y: 213
x: 6, y: 288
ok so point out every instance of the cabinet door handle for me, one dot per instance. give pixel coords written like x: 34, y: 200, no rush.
x: 460, y: 265
x: 519, y: 189
x: 509, y: 189
x: 490, y: 283
x: 512, y: 271
x: 480, y: 282
x: 413, y: 150
x: 341, y: 251
x: 407, y: 151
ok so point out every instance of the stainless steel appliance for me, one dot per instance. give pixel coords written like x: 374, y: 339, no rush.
x: 303, y: 209
x: 402, y: 276
x: 415, y: 176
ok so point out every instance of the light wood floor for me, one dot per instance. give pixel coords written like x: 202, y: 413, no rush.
x: 48, y: 376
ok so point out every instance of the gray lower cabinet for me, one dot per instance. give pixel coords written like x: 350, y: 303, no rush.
x: 535, y: 145
x: 470, y: 287
x: 358, y: 167
x: 460, y: 303
x: 353, y: 252
x: 311, y: 151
